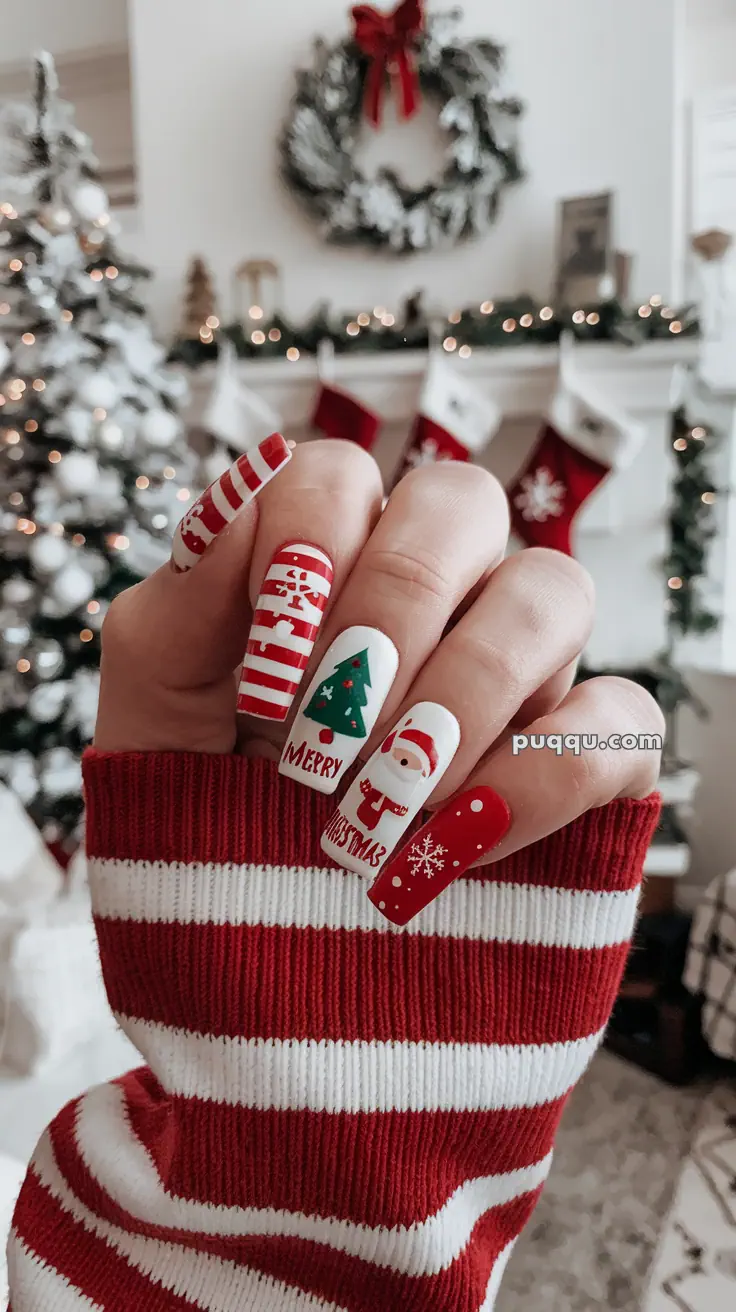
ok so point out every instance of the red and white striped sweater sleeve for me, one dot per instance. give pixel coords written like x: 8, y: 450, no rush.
x: 334, y: 1113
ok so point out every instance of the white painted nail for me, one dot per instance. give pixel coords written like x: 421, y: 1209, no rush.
x: 340, y: 708
x: 392, y: 789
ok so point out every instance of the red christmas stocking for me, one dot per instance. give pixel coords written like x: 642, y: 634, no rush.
x: 338, y: 414
x: 455, y: 420
x: 582, y: 441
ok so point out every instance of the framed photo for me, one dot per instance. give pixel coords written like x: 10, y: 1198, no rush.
x: 586, y: 258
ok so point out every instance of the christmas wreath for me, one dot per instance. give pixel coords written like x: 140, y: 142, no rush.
x: 418, y: 55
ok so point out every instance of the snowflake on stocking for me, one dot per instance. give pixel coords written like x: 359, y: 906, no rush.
x: 427, y: 453
x: 426, y: 857
x: 541, y: 497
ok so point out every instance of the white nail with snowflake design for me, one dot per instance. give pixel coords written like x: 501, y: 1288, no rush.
x: 340, y: 708
x: 393, y: 787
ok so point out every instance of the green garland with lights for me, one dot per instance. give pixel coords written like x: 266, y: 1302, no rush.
x: 516, y: 322
x: 692, y: 529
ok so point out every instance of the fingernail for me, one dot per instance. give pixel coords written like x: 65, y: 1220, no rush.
x: 340, y: 708
x: 440, y: 852
x: 221, y: 501
x: 288, y: 615
x: 387, y: 795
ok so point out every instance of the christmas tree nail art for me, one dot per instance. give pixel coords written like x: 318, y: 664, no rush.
x: 340, y: 708
x: 338, y: 702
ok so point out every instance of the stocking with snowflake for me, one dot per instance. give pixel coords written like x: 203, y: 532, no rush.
x: 455, y: 419
x: 584, y: 438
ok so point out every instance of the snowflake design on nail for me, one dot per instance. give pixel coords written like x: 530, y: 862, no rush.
x: 541, y: 497
x: 426, y: 857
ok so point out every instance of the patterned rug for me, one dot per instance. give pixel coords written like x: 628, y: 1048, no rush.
x: 592, y: 1240
x: 695, y: 1270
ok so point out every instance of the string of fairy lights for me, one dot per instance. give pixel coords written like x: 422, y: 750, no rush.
x: 495, y: 324
x: 490, y: 323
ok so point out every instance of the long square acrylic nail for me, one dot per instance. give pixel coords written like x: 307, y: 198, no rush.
x: 392, y: 788
x: 220, y: 502
x: 284, y: 630
x: 444, y: 849
x: 340, y: 708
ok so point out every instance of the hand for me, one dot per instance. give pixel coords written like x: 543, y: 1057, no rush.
x: 494, y: 641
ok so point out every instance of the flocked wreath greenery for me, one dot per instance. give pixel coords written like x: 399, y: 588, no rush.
x: 327, y: 116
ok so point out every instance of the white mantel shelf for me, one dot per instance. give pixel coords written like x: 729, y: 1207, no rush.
x: 521, y: 378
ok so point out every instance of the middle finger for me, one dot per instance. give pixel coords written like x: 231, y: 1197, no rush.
x: 445, y: 527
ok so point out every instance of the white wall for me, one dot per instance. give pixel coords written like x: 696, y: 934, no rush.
x: 213, y: 81
x: 61, y: 26
x: 711, y: 44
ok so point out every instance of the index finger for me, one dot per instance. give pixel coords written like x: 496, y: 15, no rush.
x: 183, y: 629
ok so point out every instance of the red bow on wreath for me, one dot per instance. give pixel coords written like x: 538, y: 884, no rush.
x: 388, y: 40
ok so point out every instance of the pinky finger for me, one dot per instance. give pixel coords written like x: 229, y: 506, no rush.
x: 522, y: 793
x: 548, y: 786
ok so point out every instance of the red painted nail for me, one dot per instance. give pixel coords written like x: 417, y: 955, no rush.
x: 440, y: 852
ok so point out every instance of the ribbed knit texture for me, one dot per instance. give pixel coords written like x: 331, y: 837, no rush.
x: 334, y: 1113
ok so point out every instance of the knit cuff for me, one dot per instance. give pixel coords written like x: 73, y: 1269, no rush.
x: 188, y: 807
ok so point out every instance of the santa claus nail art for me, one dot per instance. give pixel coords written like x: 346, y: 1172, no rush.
x: 221, y: 501
x: 395, y: 784
x: 340, y: 708
x: 444, y: 849
x: 285, y: 625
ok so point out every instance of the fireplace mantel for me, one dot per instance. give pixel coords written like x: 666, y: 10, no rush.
x: 520, y: 378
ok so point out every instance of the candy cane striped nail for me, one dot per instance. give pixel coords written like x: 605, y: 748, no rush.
x: 222, y: 500
x: 288, y: 615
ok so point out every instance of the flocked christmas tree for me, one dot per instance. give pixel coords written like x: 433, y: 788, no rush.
x: 338, y: 701
x: 94, y: 471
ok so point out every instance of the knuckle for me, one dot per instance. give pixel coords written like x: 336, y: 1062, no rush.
x: 499, y: 667
x: 119, y: 634
x: 624, y: 707
x: 336, y: 465
x: 415, y: 575
x: 467, y: 491
x: 634, y: 703
x: 561, y: 573
x: 551, y: 604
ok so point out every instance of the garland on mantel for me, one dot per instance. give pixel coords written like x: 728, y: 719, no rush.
x: 509, y: 323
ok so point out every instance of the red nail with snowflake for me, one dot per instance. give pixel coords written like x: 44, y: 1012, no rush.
x: 288, y: 614
x: 448, y: 845
x: 340, y: 708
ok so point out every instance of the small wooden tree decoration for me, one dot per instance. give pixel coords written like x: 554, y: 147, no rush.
x: 200, y: 318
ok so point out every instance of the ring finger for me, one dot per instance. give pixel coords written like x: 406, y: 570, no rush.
x: 531, y: 621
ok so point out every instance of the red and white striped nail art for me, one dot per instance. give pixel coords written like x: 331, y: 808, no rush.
x: 288, y: 615
x: 221, y: 501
